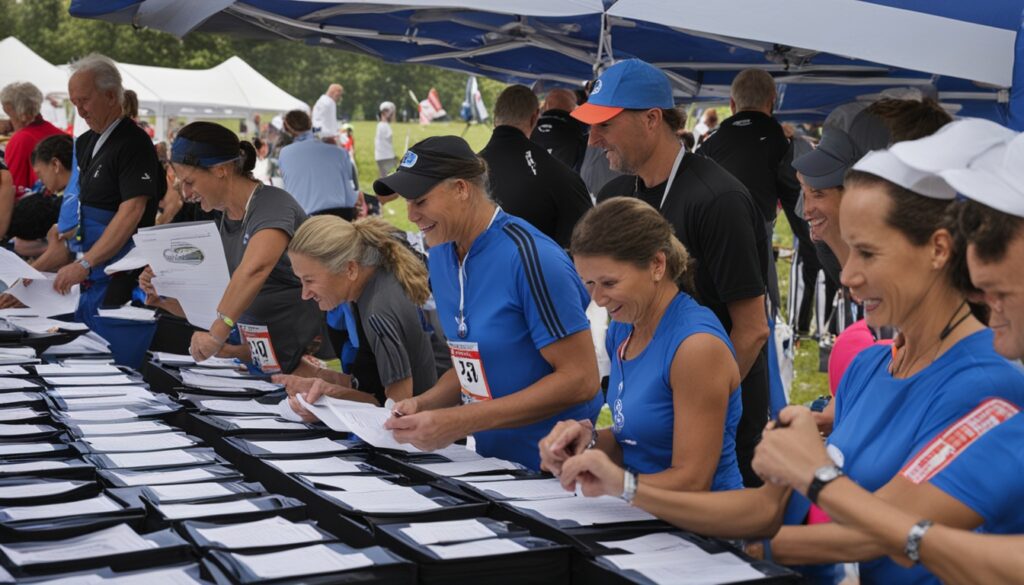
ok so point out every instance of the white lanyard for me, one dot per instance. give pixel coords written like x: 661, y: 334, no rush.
x: 463, y: 329
x: 672, y: 176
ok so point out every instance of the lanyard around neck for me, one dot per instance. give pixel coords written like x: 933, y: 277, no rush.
x: 463, y: 329
x: 672, y: 176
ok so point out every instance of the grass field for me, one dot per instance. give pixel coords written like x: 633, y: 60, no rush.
x: 808, y: 383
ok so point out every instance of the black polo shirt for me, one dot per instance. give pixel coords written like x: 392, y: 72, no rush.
x: 753, y: 147
x: 714, y: 217
x: 529, y: 183
x: 125, y: 167
x: 563, y: 136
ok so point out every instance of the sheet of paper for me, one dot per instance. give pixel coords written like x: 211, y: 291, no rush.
x: 456, y: 452
x: 262, y: 423
x: 208, y: 382
x: 484, y: 478
x: 368, y: 425
x: 128, y: 428
x: 88, y: 344
x: 163, y: 459
x: 391, y: 501
x: 354, y: 483
x: 88, y: 361
x: 274, y: 531
x: 98, y: 505
x: 176, y: 576
x: 131, y: 443
x: 216, y: 372
x: 13, y: 370
x: 26, y: 448
x: 119, y: 539
x: 525, y: 489
x: 11, y: 468
x: 683, y: 567
x: 660, y: 541
x: 133, y: 260
x: 45, y: 324
x: 22, y: 430
x: 326, y: 465
x: 180, y: 359
x: 68, y: 392
x: 448, y: 531
x: 99, y: 415
x: 42, y: 298
x: 16, y: 397
x: 164, y: 477
x: 455, y: 468
x: 190, y: 491
x: 76, y: 370
x: 88, y: 380
x: 39, y: 489
x: 586, y: 511
x: 300, y: 446
x: 186, y: 511
x: 16, y: 384
x: 237, y: 407
x: 189, y: 265
x: 17, y: 414
x: 326, y: 409
x: 129, y: 313
x: 310, y: 560
x: 12, y: 267
x: 105, y: 402
x: 477, y: 548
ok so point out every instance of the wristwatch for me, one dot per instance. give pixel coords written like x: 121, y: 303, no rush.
x: 84, y: 263
x: 593, y: 439
x: 822, y: 477
x: 628, y: 487
x: 913, y: 546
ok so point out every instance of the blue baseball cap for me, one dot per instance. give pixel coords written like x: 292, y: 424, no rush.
x: 628, y: 85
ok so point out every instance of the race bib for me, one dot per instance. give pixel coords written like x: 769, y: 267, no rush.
x: 258, y: 339
x: 470, y: 369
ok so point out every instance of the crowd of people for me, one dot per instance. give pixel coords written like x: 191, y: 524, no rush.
x: 482, y: 328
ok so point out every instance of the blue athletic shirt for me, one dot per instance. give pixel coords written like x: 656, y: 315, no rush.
x: 522, y: 294
x: 642, y: 413
x: 988, y: 477
x: 881, y: 422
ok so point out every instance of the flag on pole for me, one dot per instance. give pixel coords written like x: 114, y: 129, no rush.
x: 473, y: 108
x: 430, y: 108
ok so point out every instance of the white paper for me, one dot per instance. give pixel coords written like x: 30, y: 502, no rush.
x: 309, y: 560
x: 391, y: 501
x: 67, y: 392
x: 190, y: 491
x: 87, y: 361
x: 13, y: 370
x: 129, y: 313
x: 660, y: 541
x: 100, y: 415
x: 12, y: 267
x: 354, y: 483
x: 263, y: 423
x: 455, y: 468
x: 448, y: 531
x: 274, y: 531
x: 88, y: 380
x: 525, y: 489
x: 10, y: 468
x: 97, y: 505
x: 586, y: 511
x: 237, y: 407
x: 88, y: 344
x: 682, y: 567
x: 105, y: 402
x: 186, y: 511
x: 175, y: 576
x: 16, y: 384
x: 484, y: 478
x: 119, y: 539
x: 189, y: 265
x: 16, y: 397
x: 76, y: 370
x: 220, y: 383
x: 367, y: 424
x: 22, y: 430
x: 216, y: 372
x: 42, y: 298
x: 161, y: 459
x: 17, y: 414
x: 151, y: 442
x: 456, y: 452
x: 478, y: 548
x: 164, y: 477
x: 133, y: 260
x: 326, y: 409
x: 39, y: 489
x: 45, y: 324
x: 129, y: 428
x: 300, y: 446
x: 25, y: 448
x: 326, y: 465
x: 181, y: 359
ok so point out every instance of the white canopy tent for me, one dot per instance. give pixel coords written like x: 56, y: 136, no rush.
x: 20, y: 63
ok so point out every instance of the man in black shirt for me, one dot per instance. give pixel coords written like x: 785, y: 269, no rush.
x: 557, y: 132
x: 525, y: 180
x: 632, y: 117
x: 121, y: 182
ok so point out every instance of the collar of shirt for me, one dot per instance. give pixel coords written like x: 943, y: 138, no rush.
x: 308, y: 135
x: 104, y: 136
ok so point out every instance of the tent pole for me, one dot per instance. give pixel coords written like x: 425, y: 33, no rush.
x: 1016, y: 106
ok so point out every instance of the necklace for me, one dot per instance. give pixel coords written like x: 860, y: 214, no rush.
x: 898, y: 364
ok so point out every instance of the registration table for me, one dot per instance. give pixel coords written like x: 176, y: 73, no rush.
x: 196, y: 473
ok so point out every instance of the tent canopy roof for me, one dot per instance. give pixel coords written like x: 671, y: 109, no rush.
x: 20, y: 63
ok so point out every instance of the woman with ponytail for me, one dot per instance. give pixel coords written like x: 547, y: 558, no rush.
x: 366, y: 265
x: 263, y: 297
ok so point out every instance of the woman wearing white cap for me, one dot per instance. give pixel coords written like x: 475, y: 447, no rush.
x: 908, y: 270
x: 383, y: 149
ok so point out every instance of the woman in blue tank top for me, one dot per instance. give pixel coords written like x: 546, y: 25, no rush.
x: 674, y: 378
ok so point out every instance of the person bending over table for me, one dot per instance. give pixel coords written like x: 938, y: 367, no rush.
x: 364, y: 264
x: 257, y: 224
x: 673, y: 387
x: 511, y: 306
x: 906, y: 269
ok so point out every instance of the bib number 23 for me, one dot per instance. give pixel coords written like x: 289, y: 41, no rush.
x: 470, y: 370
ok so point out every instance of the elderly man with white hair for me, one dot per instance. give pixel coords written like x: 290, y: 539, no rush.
x: 21, y: 101
x: 120, y: 182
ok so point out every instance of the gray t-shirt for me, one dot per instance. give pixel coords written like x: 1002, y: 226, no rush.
x: 394, y: 329
x: 292, y: 322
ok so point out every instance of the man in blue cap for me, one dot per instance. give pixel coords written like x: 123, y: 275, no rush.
x: 632, y: 118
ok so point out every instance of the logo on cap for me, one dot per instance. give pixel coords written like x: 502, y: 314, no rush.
x: 597, y: 88
x: 408, y: 160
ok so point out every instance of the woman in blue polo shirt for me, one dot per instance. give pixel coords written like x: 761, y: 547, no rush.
x: 511, y: 306
x: 674, y: 378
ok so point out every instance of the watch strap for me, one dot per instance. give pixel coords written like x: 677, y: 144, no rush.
x: 913, y: 546
x: 817, y: 484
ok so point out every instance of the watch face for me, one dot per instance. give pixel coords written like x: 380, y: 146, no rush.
x: 827, y: 473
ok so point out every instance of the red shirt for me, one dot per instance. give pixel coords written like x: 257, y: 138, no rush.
x: 19, y: 152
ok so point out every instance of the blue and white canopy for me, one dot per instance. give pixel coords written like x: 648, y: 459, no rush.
x: 823, y: 53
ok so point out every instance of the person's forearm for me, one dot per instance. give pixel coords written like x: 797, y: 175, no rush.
x: 607, y: 443
x: 745, y: 513
x: 824, y: 543
x: 747, y: 340
x: 53, y: 259
x: 445, y: 393
x: 118, y: 231
x: 240, y: 293
x: 342, y: 393
x: 6, y: 203
x: 958, y: 557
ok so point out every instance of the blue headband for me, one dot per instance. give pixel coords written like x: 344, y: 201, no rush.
x: 200, y: 154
